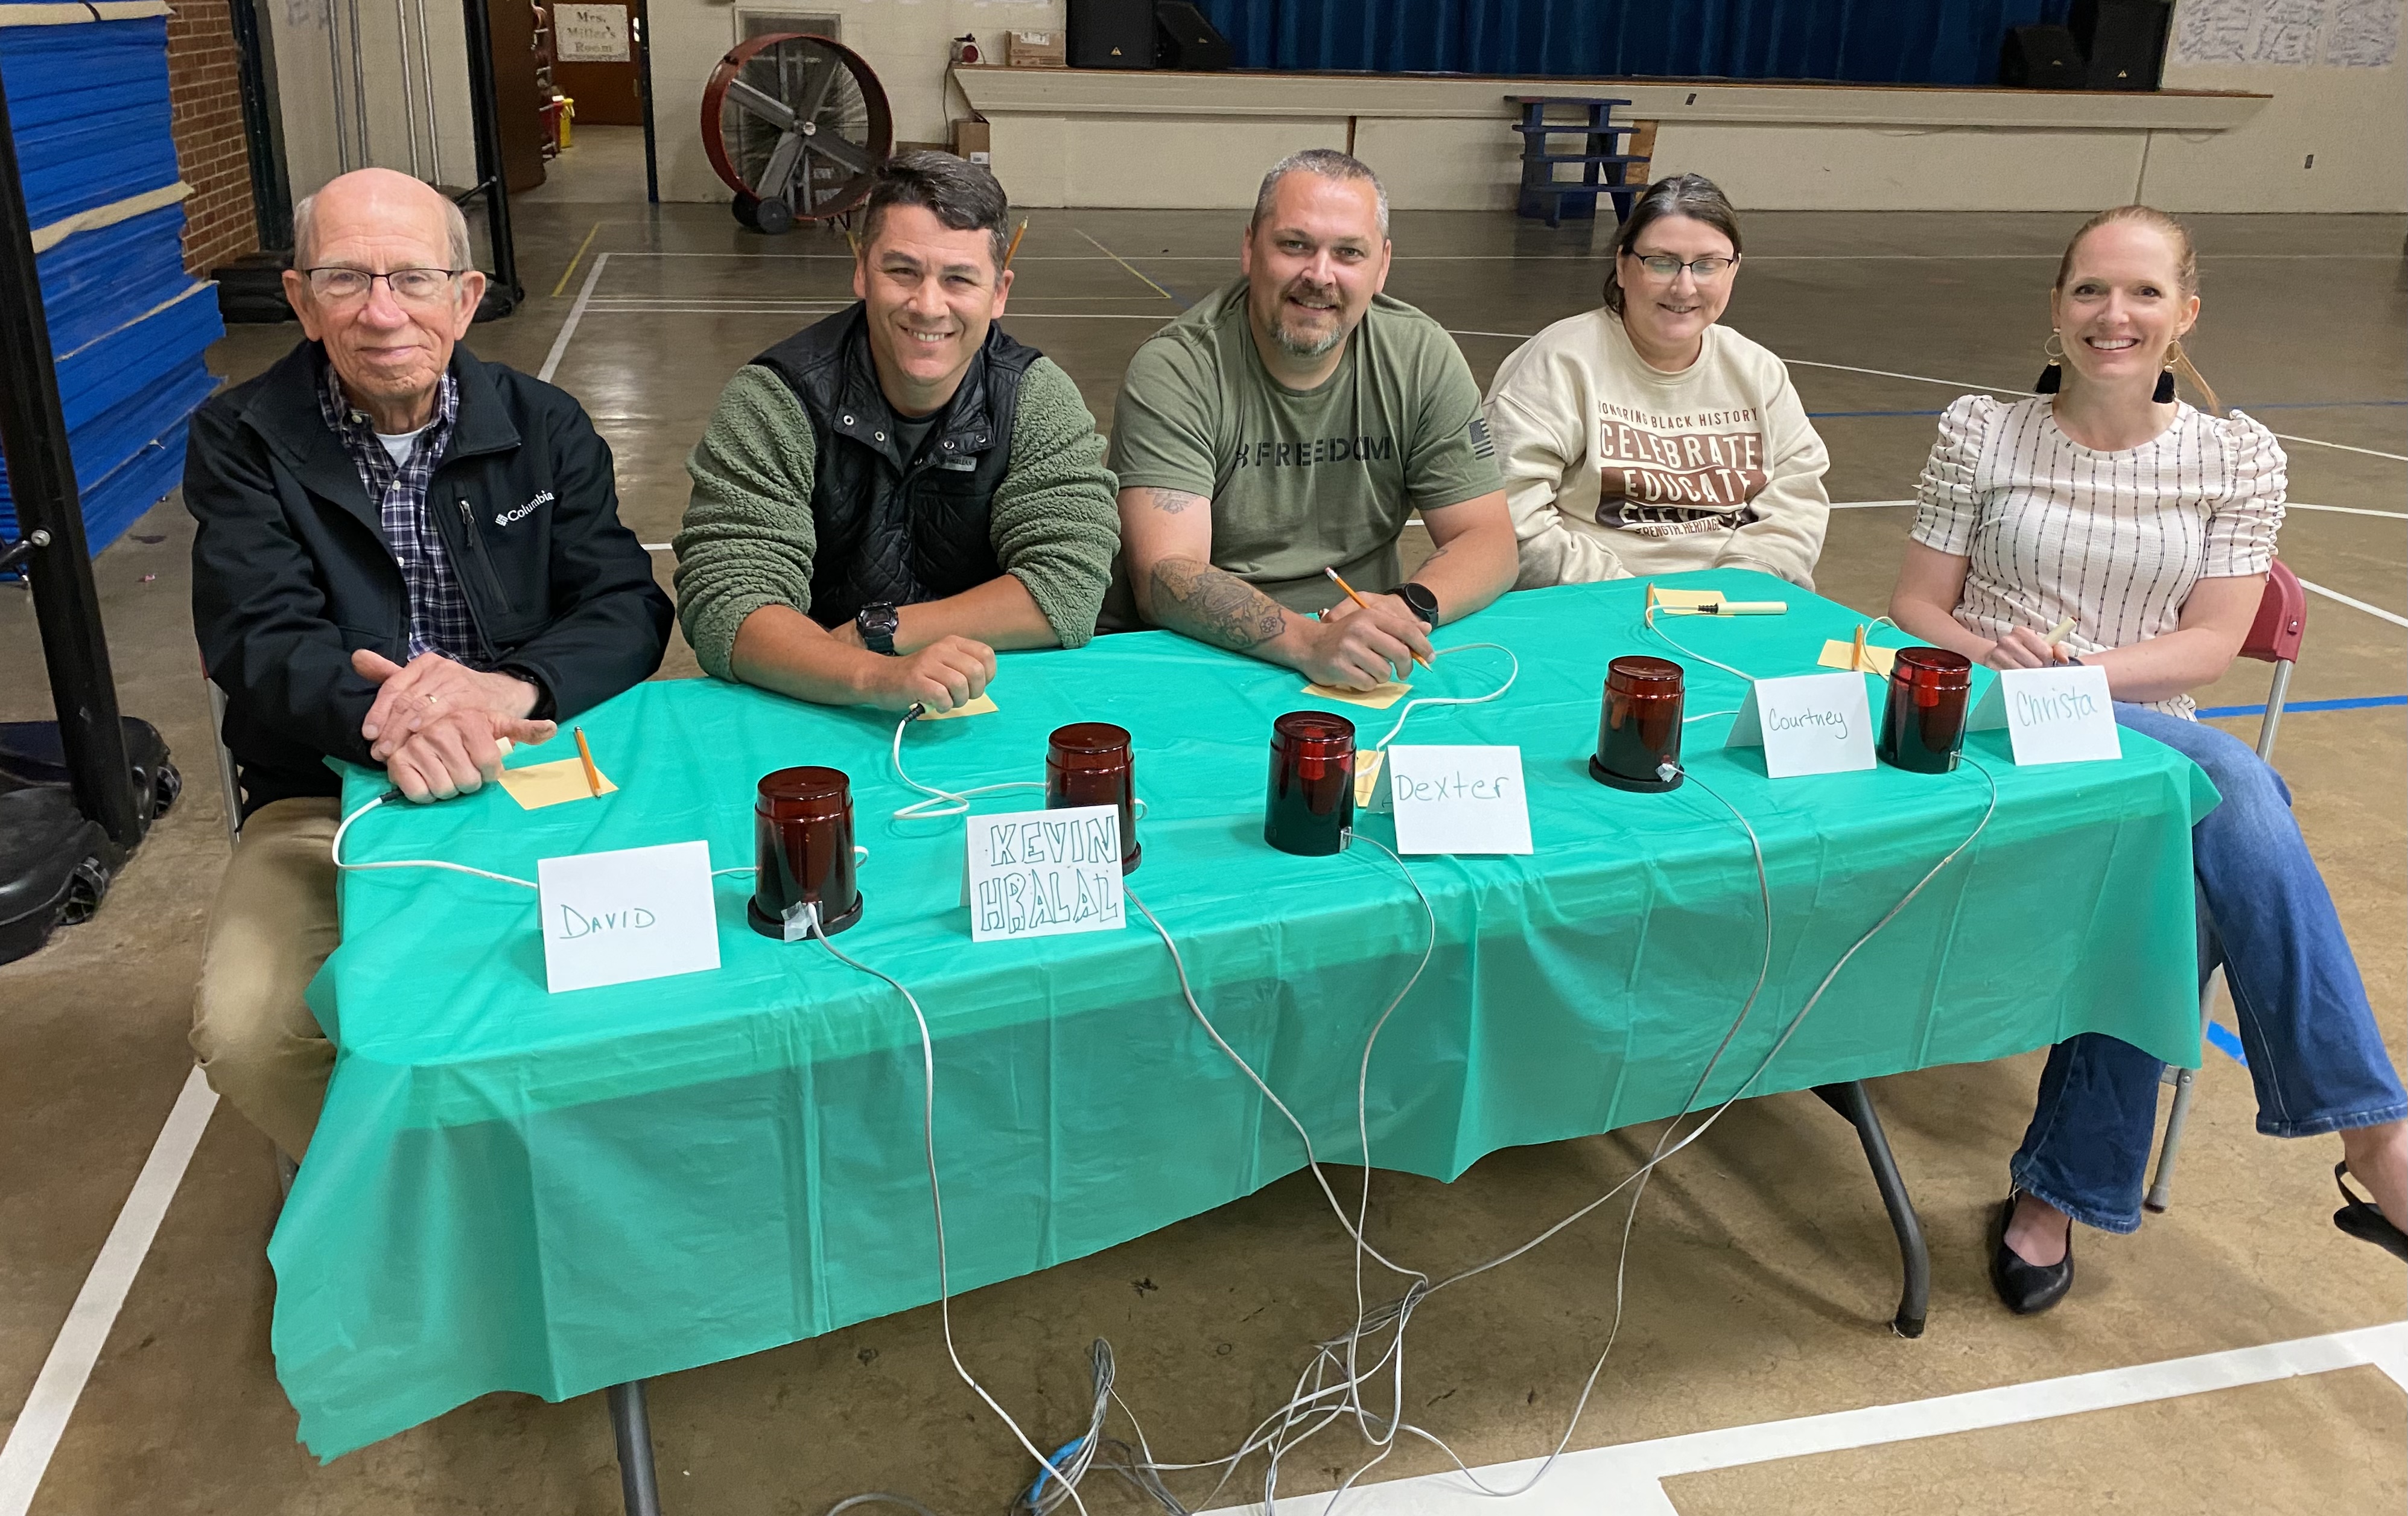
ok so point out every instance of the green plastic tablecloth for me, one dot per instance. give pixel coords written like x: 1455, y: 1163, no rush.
x: 511, y: 1190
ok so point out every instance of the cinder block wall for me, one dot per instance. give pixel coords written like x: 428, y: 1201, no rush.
x: 206, y: 89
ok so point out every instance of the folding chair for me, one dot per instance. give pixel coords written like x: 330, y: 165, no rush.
x: 2273, y: 638
x: 229, y: 791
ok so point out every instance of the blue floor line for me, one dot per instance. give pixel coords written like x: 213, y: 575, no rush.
x: 2359, y: 703
x: 2227, y: 1042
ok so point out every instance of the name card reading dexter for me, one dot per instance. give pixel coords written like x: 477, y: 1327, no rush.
x: 1459, y: 800
x: 1810, y: 723
x: 2052, y: 715
x: 639, y: 912
x: 1040, y: 873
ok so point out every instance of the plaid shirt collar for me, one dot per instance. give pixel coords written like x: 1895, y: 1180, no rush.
x: 440, y: 620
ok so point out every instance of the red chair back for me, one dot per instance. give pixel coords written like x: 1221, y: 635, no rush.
x: 2282, y: 619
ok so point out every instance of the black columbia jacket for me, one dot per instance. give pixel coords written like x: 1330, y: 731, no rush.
x: 290, y: 572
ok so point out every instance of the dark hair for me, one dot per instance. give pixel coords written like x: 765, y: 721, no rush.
x: 962, y: 194
x: 1693, y: 195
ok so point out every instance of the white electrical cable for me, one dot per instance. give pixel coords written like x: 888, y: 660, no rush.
x: 335, y: 851
x: 936, y: 1198
x: 1410, y: 706
x: 941, y: 802
x: 1693, y: 653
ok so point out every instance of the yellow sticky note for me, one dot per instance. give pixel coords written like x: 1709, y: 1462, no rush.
x: 1367, y: 775
x: 983, y: 706
x: 1835, y: 656
x: 539, y: 784
x: 1377, y: 698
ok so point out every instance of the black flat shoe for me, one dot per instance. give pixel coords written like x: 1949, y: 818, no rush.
x: 2364, y: 1221
x: 2026, y: 1288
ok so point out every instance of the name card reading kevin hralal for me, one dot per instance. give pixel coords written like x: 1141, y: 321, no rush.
x: 1459, y: 800
x: 2052, y: 715
x: 1040, y: 873
x: 639, y: 913
x: 1810, y: 723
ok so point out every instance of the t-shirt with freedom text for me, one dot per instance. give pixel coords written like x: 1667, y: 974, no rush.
x: 1304, y: 480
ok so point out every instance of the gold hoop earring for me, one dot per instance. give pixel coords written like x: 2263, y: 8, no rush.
x: 2053, y: 377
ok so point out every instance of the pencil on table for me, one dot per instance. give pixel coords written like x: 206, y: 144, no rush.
x: 1363, y: 604
x: 585, y: 756
x: 1856, y: 659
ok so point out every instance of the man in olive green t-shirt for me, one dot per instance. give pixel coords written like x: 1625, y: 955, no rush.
x: 1289, y: 424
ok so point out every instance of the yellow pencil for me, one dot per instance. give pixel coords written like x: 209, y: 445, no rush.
x: 1015, y: 244
x: 585, y: 756
x: 1363, y: 604
x: 1856, y: 659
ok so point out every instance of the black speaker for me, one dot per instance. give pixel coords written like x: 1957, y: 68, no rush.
x: 1111, y: 33
x: 2043, y: 58
x: 2124, y: 40
x: 1186, y: 40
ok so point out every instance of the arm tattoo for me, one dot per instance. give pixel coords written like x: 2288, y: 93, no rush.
x: 1213, y: 606
x: 1172, y: 501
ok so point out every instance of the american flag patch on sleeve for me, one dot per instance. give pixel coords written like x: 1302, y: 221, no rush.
x: 1481, y: 446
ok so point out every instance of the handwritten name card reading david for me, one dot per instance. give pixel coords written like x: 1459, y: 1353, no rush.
x: 2052, y: 715
x: 1810, y: 723
x: 639, y: 912
x: 1040, y: 873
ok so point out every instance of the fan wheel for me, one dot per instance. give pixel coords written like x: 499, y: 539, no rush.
x: 795, y: 125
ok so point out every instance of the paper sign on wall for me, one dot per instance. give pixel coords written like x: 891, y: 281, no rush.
x: 590, y: 34
x: 1459, y: 800
x: 639, y: 912
x: 1810, y: 723
x: 2052, y: 715
x: 1040, y: 873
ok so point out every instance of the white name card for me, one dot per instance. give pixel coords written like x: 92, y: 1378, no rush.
x: 1458, y: 800
x: 2052, y: 715
x: 1810, y: 723
x: 639, y: 912
x: 1040, y: 873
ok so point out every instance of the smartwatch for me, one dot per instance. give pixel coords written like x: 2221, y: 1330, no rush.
x: 1423, y: 603
x: 877, y: 622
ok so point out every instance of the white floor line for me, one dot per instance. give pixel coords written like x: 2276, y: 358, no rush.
x: 2345, y: 447
x: 2356, y: 604
x: 567, y: 330
x: 1603, y: 1478
x: 35, y: 1434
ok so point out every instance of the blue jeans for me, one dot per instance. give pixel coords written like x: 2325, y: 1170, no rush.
x: 2315, y: 1053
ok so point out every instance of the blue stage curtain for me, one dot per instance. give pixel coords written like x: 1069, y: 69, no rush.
x: 1853, y: 41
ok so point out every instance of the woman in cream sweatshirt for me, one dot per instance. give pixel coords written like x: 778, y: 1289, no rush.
x: 1640, y: 437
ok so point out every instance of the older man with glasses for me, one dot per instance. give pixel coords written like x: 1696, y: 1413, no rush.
x: 404, y: 557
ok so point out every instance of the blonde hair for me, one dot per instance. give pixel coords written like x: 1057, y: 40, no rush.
x: 2185, y: 274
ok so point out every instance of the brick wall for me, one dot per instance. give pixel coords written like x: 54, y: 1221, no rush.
x: 206, y: 89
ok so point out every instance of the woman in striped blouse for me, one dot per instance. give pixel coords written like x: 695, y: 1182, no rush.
x: 2151, y: 525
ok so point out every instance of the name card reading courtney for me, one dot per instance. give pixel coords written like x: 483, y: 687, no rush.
x: 1040, y: 873
x: 1809, y: 723
x: 639, y: 912
x: 2052, y: 715
x: 1459, y: 800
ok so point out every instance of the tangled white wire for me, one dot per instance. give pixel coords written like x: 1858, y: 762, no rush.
x: 1410, y: 706
x: 941, y: 802
x: 335, y: 851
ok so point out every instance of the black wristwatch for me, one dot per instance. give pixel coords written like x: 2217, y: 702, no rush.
x: 878, y: 622
x: 1423, y: 602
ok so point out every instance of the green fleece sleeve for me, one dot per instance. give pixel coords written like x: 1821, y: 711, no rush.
x: 1056, y: 521
x: 748, y: 538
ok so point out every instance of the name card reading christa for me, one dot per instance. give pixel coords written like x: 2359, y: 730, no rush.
x: 2052, y: 715
x: 639, y: 912
x: 1040, y: 873
x: 1459, y: 800
x: 1809, y: 723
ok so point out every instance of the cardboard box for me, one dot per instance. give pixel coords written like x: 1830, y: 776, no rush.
x: 970, y: 141
x: 1036, y: 49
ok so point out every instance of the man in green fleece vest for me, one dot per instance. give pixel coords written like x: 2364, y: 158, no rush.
x: 888, y: 496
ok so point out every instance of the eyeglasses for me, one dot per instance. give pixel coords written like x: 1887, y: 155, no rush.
x: 411, y: 286
x: 1665, y: 266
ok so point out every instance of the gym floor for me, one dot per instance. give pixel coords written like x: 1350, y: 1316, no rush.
x: 1761, y: 1272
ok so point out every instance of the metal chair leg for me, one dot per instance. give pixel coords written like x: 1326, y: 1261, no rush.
x: 632, y: 1427
x: 2160, y: 1194
x: 1852, y: 1101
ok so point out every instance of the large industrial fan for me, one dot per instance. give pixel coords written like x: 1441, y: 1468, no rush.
x: 795, y: 125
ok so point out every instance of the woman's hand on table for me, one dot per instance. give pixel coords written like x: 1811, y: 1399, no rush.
x: 455, y: 753
x: 2023, y: 648
x: 948, y: 673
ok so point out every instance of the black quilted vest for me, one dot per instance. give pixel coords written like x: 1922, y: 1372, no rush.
x: 890, y: 528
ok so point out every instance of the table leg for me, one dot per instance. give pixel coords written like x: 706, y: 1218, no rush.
x: 632, y: 1427
x: 1852, y: 1101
